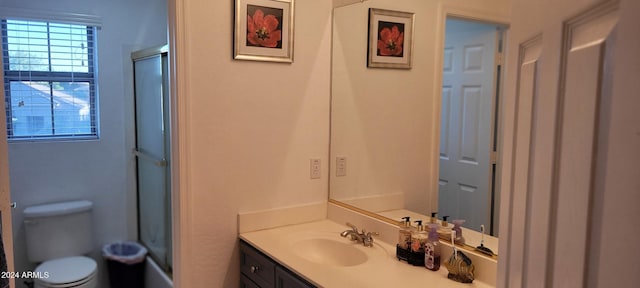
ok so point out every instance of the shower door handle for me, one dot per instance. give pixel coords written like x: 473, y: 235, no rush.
x: 158, y: 162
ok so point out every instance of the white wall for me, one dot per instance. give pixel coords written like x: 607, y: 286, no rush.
x: 101, y: 171
x: 248, y: 130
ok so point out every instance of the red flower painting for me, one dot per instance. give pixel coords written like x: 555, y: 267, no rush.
x: 263, y: 30
x: 390, y: 41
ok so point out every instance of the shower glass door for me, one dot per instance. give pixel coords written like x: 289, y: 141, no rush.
x: 152, y: 153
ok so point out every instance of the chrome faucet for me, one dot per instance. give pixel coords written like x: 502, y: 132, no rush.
x: 366, y: 238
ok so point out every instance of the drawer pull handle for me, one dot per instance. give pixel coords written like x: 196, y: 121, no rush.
x: 254, y: 269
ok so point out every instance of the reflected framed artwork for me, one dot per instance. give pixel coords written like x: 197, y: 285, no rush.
x: 390, y: 39
x: 264, y: 30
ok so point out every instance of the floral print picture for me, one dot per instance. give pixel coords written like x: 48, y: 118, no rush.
x: 264, y: 30
x: 390, y: 39
x: 264, y: 27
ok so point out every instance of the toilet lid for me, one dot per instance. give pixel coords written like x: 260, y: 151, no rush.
x: 66, y: 270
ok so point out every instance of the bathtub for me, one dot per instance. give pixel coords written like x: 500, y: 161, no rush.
x: 155, y: 277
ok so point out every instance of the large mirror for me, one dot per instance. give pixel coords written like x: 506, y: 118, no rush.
x: 394, y: 131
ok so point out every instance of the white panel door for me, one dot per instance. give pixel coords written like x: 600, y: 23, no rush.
x: 466, y: 122
x: 572, y: 138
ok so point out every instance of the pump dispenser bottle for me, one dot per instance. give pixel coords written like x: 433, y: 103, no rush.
x: 432, y: 249
x: 434, y: 219
x: 418, y: 238
x: 404, y: 235
x: 456, y: 227
x: 403, y: 251
x: 444, y: 230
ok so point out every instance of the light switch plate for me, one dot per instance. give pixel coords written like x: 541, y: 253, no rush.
x: 341, y: 166
x: 315, y: 168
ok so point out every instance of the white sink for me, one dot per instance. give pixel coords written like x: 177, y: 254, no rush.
x: 330, y: 252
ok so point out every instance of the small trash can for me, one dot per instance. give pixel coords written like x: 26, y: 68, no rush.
x: 125, y: 263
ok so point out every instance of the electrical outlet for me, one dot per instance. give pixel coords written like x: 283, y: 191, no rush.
x: 341, y: 166
x: 315, y: 168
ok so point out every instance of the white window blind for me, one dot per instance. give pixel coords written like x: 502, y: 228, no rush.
x: 49, y: 80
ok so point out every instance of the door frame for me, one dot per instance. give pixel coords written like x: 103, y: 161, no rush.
x: 446, y: 11
x: 5, y: 194
x: 161, y: 52
x: 179, y: 122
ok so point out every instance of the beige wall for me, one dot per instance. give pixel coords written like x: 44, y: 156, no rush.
x: 247, y: 132
x: 386, y: 121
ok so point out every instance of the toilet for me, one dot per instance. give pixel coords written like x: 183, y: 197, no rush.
x: 58, y: 235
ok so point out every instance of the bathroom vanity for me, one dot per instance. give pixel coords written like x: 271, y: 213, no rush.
x: 314, y: 255
x: 260, y: 271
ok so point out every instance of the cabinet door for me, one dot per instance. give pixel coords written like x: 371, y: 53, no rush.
x: 285, y: 279
x: 247, y: 283
x: 256, y: 266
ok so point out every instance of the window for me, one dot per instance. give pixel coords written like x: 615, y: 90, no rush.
x: 49, y: 80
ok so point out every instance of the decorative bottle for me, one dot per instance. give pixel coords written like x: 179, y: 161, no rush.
x: 432, y: 249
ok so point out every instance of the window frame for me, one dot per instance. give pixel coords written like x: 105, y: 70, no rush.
x: 50, y: 77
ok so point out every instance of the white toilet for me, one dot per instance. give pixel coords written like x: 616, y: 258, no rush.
x: 58, y: 235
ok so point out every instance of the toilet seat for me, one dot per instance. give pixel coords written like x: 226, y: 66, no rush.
x: 66, y: 272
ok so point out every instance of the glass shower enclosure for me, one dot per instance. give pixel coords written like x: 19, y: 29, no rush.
x: 152, y: 152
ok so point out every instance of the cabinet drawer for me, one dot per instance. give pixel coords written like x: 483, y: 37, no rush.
x: 256, y: 266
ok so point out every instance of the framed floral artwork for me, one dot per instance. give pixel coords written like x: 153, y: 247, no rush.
x: 390, y: 39
x: 264, y: 30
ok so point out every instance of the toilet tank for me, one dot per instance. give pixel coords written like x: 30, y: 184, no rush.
x: 58, y: 230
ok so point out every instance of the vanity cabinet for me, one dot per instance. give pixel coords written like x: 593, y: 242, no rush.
x: 260, y: 271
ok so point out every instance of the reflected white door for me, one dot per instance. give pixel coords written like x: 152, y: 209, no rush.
x: 466, y: 126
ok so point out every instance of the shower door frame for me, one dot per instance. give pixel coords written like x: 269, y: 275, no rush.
x: 166, y: 263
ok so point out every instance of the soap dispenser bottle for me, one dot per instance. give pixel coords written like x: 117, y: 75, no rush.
x: 432, y: 249
x: 459, y: 239
x: 415, y: 254
x: 444, y: 230
x: 434, y: 219
x: 418, y: 238
x: 404, y: 235
x: 403, y: 251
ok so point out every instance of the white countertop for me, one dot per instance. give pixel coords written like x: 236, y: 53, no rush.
x: 381, y: 270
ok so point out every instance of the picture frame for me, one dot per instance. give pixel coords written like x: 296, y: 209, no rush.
x: 264, y: 30
x: 390, y: 40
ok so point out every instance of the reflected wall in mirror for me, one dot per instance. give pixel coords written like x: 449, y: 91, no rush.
x: 385, y: 123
